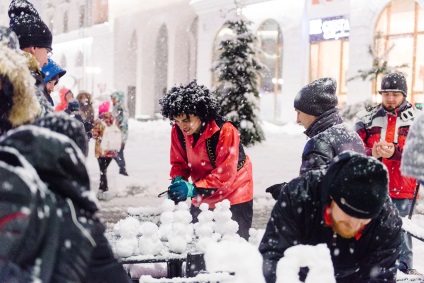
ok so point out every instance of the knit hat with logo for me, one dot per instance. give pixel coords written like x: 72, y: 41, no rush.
x: 359, y: 184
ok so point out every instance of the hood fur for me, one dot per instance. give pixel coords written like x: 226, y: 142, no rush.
x: 25, y: 104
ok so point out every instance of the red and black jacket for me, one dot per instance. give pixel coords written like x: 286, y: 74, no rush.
x: 225, y: 179
x: 377, y: 124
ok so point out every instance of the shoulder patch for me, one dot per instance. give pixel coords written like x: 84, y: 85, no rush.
x: 366, y: 115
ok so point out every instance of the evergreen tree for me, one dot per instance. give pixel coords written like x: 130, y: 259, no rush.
x: 237, y: 73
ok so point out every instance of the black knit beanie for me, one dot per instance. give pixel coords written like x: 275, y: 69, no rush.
x: 28, y: 26
x: 359, y: 184
x: 317, y: 97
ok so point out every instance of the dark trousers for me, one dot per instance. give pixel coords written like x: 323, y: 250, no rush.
x: 121, y: 160
x: 242, y: 214
x: 103, y: 165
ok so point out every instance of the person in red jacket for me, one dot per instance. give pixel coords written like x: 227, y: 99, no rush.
x: 65, y: 95
x: 384, y: 129
x: 207, y: 149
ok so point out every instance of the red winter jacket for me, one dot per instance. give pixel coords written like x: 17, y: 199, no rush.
x: 376, y: 124
x: 194, y: 162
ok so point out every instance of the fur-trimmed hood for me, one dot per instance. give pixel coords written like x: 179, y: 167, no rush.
x: 17, y: 95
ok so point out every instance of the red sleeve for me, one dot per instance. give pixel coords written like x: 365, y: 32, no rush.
x: 362, y: 132
x: 178, y: 157
x: 227, y: 152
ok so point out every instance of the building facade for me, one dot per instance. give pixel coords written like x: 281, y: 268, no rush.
x: 146, y: 47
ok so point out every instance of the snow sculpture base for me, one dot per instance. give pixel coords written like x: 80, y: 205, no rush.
x: 317, y: 258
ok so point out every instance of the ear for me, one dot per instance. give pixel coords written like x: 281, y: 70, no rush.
x: 31, y: 50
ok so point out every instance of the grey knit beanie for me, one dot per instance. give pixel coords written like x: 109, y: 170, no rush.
x: 317, y: 97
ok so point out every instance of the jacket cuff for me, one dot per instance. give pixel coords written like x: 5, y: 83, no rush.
x: 397, y: 154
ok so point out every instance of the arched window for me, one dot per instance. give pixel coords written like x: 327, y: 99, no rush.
x: 65, y: 22
x: 79, y: 60
x: 63, y: 62
x: 401, y: 26
x: 161, y: 66
x: 131, y: 67
x: 79, y: 63
x: 192, y: 50
x: 223, y: 32
x: 270, y: 42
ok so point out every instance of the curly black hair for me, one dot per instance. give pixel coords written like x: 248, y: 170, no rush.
x: 190, y: 99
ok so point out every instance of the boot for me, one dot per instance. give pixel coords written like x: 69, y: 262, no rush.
x: 123, y: 171
x: 103, y: 183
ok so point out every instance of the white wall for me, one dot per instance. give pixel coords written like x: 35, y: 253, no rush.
x: 109, y: 48
x: 177, y: 17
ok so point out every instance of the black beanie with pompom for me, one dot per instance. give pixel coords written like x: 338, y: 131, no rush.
x: 28, y: 26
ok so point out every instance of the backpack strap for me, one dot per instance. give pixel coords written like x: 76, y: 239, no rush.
x: 212, y: 143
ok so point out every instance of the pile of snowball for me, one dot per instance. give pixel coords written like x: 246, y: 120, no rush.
x: 175, y: 232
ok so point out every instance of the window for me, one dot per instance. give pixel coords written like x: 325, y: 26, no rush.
x: 82, y: 22
x: 51, y: 24
x: 329, y: 52
x: 63, y: 62
x: 161, y: 65
x: 270, y: 44
x: 100, y: 11
x: 223, y: 33
x: 270, y: 41
x: 192, y: 50
x: 79, y: 60
x: 401, y: 25
x: 65, y: 22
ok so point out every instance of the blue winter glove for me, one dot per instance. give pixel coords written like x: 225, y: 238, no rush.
x: 180, y: 190
x: 176, y: 179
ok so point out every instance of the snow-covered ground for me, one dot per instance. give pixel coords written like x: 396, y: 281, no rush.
x: 147, y: 155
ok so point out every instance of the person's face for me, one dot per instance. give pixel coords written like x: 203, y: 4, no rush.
x: 304, y: 119
x: 69, y: 96
x: 343, y: 224
x: 42, y: 54
x: 114, y: 101
x: 391, y: 100
x: 188, y: 124
x: 50, y: 86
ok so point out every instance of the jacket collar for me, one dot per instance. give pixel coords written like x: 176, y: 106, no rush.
x: 206, y: 132
x: 323, y: 122
x: 405, y: 105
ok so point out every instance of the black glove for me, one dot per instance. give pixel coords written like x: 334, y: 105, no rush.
x: 275, y: 190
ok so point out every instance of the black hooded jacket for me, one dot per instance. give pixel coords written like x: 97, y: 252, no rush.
x: 82, y: 250
x: 328, y: 137
x: 298, y: 219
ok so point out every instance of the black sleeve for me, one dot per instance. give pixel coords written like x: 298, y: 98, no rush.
x: 317, y: 152
x: 378, y: 263
x: 104, y: 267
x: 285, y: 227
